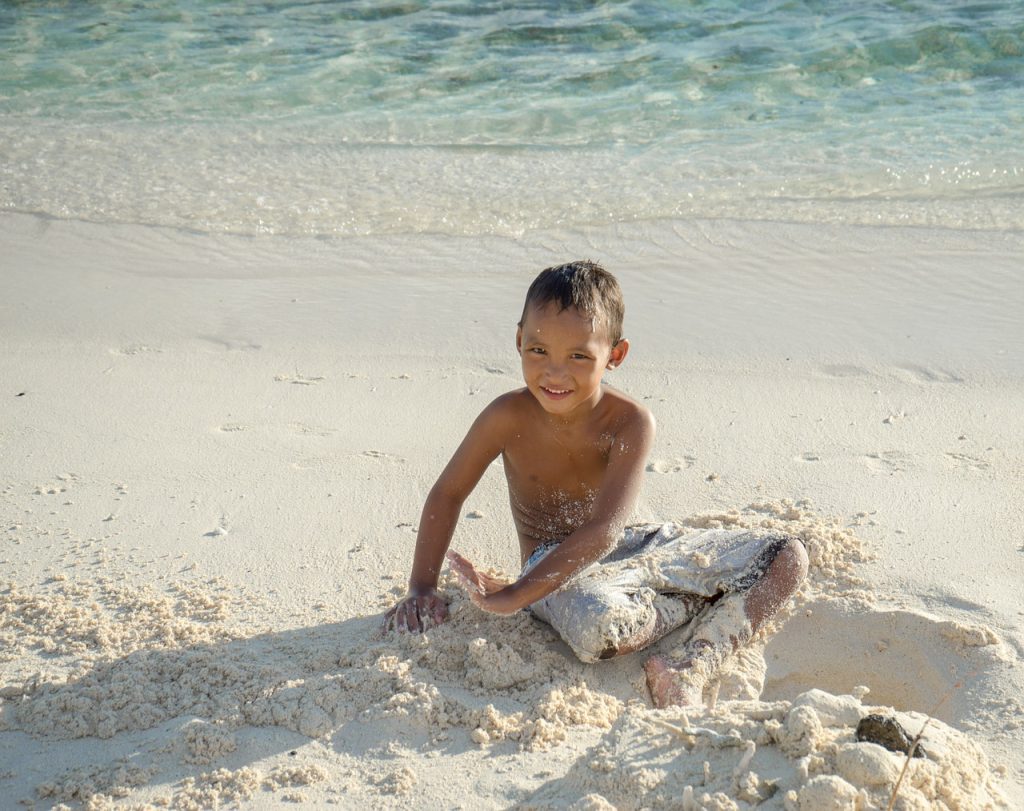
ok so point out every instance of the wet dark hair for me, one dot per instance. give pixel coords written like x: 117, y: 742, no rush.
x: 584, y: 285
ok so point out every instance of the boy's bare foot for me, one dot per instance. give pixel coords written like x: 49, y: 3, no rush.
x: 674, y: 682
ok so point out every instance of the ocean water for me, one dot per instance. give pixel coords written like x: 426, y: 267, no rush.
x: 469, y: 117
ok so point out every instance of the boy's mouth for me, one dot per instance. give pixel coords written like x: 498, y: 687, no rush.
x: 556, y: 394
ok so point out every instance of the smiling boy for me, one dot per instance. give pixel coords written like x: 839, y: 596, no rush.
x: 574, y: 451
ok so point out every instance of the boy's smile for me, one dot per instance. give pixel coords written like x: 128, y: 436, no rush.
x: 565, y: 354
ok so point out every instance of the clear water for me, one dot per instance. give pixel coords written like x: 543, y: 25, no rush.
x: 469, y: 117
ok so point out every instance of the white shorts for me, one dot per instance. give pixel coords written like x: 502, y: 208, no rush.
x: 666, y: 569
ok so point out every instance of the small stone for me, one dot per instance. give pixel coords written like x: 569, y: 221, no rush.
x: 886, y: 731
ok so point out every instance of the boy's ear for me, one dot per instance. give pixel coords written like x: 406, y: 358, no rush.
x: 619, y: 352
x: 519, y: 340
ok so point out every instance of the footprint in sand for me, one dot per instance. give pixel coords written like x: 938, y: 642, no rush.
x: 895, y: 417
x: 49, y: 490
x: 389, y: 457
x: 925, y: 375
x: 963, y: 461
x: 231, y: 344
x: 298, y: 379
x: 134, y: 349
x: 55, y: 488
x: 310, y: 430
x: 844, y: 370
x: 232, y: 427
x: 671, y: 465
x: 886, y: 461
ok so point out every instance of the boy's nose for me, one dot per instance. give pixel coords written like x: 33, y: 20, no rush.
x: 556, y: 368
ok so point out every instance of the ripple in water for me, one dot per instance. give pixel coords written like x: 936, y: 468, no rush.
x: 472, y: 118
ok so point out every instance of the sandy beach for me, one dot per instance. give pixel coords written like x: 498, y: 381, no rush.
x: 214, y: 450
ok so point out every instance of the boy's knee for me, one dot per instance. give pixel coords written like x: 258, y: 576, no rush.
x: 791, y: 560
x: 601, y: 631
x: 591, y: 644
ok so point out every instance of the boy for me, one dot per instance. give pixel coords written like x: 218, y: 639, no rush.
x: 574, y: 452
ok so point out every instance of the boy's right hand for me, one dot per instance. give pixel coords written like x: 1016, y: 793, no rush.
x: 415, y: 613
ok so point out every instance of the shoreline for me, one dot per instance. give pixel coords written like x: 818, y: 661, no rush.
x: 254, y: 408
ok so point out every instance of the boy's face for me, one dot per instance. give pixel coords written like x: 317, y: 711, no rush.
x: 565, y: 355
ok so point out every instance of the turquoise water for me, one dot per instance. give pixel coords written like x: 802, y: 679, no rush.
x: 486, y: 117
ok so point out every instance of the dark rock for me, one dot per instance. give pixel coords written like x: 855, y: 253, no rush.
x: 886, y: 731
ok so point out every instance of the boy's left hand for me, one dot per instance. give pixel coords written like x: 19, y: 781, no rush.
x: 487, y: 592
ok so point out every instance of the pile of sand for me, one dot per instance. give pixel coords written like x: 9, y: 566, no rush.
x: 800, y: 755
x: 102, y: 659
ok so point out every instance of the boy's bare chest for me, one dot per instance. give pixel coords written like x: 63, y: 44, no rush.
x: 558, y: 461
x: 553, y: 483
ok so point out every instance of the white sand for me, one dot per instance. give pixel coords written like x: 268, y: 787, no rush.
x: 213, y: 452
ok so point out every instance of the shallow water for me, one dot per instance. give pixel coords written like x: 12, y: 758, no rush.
x: 493, y: 118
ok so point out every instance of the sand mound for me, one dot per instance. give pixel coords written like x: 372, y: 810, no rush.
x: 800, y: 755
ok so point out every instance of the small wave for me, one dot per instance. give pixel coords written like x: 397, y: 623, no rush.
x: 236, y: 180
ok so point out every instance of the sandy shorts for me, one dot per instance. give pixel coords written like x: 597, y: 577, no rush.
x: 655, y: 569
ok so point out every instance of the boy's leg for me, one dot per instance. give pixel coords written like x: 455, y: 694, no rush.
x: 611, y: 609
x: 664, y: 613
x: 732, y: 620
x: 603, y: 617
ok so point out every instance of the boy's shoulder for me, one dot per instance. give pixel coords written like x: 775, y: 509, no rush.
x: 512, y: 405
x: 625, y: 412
x: 505, y: 406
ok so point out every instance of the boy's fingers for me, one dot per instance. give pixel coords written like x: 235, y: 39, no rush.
x: 464, y: 569
x: 457, y: 561
x: 414, y: 614
x: 407, y: 619
x: 472, y: 586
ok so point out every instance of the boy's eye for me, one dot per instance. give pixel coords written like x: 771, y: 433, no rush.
x: 536, y: 350
x: 578, y: 356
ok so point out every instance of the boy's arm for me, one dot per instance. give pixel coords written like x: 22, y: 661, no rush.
x: 619, y: 490
x: 482, y: 444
